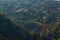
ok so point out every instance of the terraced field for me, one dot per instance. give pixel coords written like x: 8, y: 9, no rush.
x: 40, y: 18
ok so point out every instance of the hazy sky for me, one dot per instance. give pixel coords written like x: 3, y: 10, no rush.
x: 57, y: 0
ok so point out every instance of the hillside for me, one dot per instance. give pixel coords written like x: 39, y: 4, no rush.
x: 34, y: 19
x: 9, y: 31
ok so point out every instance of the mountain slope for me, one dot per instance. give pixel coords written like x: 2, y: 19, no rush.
x: 9, y: 31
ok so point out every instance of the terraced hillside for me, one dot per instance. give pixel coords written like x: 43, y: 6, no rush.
x: 11, y: 31
x: 40, y: 18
